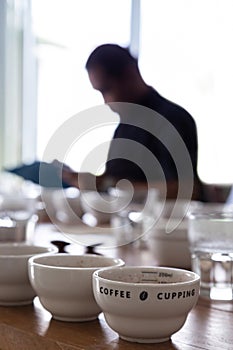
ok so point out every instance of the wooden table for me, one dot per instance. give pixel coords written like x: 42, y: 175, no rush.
x: 208, y: 326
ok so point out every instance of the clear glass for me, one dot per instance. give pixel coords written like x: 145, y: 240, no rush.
x: 211, y: 244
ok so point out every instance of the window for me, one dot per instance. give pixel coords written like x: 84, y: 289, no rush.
x: 67, y: 31
x: 186, y: 54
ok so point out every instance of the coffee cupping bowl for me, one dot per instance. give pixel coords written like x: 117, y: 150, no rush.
x: 15, y: 287
x: 145, y: 304
x: 63, y: 283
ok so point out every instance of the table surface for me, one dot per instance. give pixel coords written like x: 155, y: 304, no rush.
x: 208, y: 326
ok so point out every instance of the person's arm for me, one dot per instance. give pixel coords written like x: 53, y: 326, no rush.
x: 86, y: 180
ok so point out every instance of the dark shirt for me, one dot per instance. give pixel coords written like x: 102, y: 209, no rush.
x: 122, y: 160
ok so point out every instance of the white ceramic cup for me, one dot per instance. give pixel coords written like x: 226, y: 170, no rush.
x: 15, y: 285
x: 171, y: 248
x: 63, y: 283
x: 67, y: 205
x: 17, y: 226
x: 99, y: 205
x: 145, y: 304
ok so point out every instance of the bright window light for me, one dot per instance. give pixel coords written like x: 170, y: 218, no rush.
x: 185, y: 53
x: 67, y: 31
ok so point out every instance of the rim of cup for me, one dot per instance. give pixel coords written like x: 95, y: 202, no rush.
x: 221, y: 215
x: 104, y: 274
x: 30, y: 249
x: 47, y: 261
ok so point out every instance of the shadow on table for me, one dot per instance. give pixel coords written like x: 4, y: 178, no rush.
x: 120, y: 344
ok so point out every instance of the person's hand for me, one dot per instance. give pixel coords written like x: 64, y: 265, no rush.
x: 68, y: 175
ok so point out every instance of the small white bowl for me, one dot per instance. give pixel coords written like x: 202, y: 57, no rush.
x: 63, y: 283
x: 67, y: 206
x: 15, y: 285
x: 145, y: 304
x: 16, y: 203
x: 99, y: 205
x: 171, y: 248
x: 17, y: 226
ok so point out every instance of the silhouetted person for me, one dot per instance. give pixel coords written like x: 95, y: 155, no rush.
x: 154, y: 136
x: 114, y: 72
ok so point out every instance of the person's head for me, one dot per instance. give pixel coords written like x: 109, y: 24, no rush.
x: 114, y: 72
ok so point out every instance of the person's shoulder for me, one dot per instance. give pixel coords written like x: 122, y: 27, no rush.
x: 168, y: 108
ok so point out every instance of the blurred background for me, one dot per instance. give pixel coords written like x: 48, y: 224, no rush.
x: 184, y: 51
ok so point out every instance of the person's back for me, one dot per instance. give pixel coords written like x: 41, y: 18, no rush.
x: 114, y: 72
